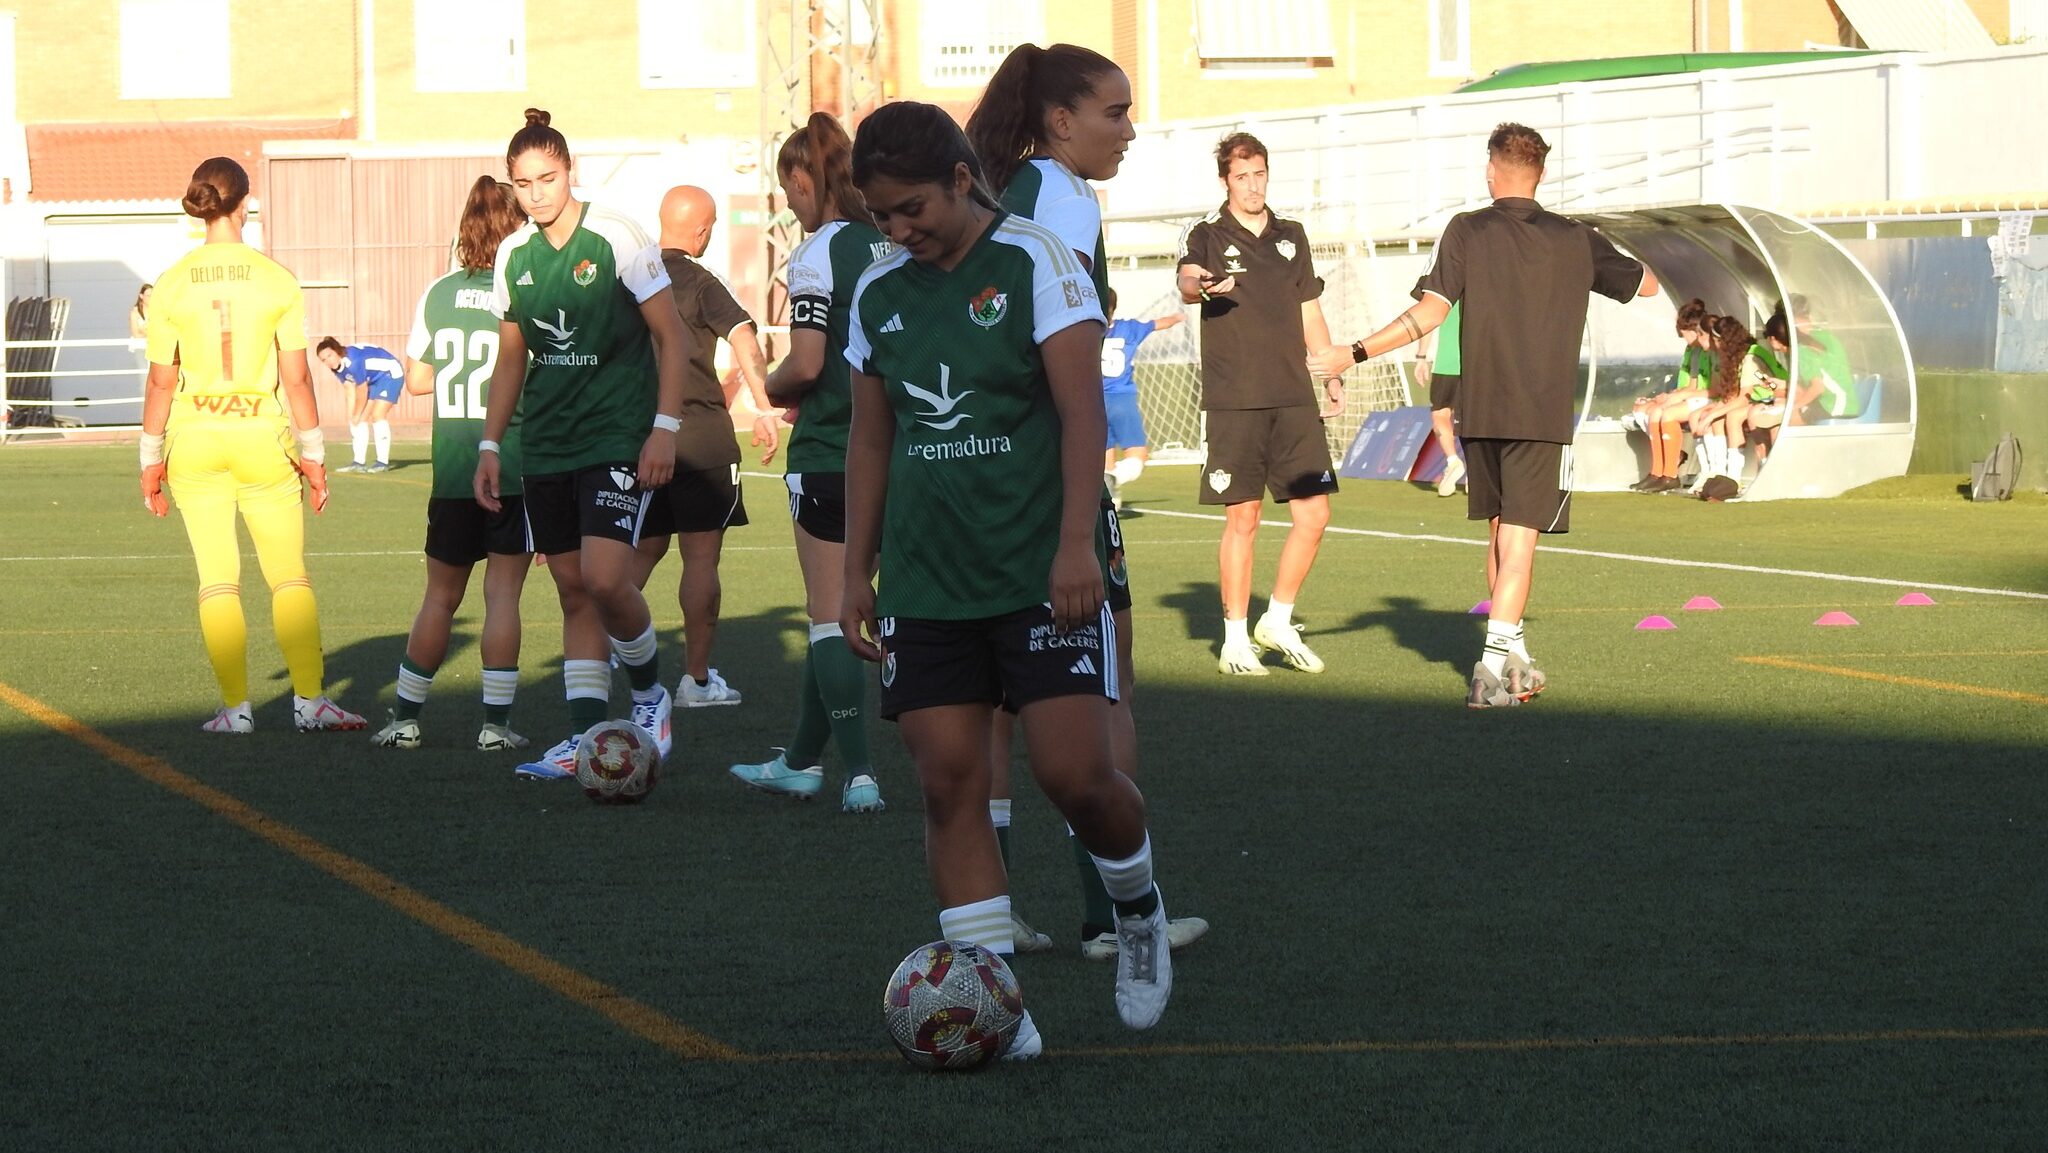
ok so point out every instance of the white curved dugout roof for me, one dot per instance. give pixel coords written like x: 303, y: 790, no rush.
x: 1742, y: 261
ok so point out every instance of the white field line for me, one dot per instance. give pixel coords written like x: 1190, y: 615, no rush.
x: 1640, y: 559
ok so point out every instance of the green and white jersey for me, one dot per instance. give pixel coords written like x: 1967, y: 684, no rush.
x: 1045, y: 193
x: 822, y: 273
x: 590, y: 385
x: 455, y: 332
x: 1696, y: 367
x: 973, y: 515
x: 1824, y: 359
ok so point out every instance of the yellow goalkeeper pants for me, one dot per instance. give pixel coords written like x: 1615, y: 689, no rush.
x: 215, y: 468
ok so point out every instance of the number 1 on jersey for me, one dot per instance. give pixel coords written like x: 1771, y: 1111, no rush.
x: 226, y: 312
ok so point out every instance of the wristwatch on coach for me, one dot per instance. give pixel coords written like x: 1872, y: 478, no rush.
x: 1358, y: 353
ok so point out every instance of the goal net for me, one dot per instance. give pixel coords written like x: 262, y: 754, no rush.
x: 1168, y: 365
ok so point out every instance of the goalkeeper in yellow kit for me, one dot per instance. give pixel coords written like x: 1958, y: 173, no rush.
x: 227, y: 359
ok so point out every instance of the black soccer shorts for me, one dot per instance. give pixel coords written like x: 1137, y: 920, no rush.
x: 1523, y: 482
x: 462, y: 532
x: 603, y: 501
x: 1012, y: 660
x: 1253, y: 451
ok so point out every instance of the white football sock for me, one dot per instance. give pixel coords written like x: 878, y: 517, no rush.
x: 1236, y: 632
x: 985, y: 923
x: 382, y: 429
x: 1129, y: 879
x: 1281, y: 613
x: 359, y: 441
x: 1127, y: 470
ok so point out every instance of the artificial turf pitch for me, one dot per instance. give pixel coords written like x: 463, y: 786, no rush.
x: 1689, y: 898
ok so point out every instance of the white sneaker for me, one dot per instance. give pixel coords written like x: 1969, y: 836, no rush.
x: 236, y: 720
x: 321, y: 715
x: 553, y: 765
x: 1025, y: 1044
x: 714, y: 691
x: 398, y: 734
x: 653, y: 716
x: 1286, y: 640
x: 1180, y: 933
x: 1454, y: 474
x: 1240, y: 660
x: 1144, y: 967
x: 1026, y: 939
x: 498, y: 738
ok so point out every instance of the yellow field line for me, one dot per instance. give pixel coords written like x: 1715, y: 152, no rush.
x: 636, y: 1018
x: 1890, y: 679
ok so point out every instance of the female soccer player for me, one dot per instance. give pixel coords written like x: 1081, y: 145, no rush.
x: 227, y: 360
x: 454, y: 348
x: 585, y: 290
x: 976, y: 440
x: 1665, y: 415
x: 1050, y: 120
x: 375, y: 379
x: 816, y: 171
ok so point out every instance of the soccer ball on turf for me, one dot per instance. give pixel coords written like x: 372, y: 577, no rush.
x: 952, y: 1005
x: 617, y: 763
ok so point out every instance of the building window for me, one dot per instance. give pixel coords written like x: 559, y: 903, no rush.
x: 963, y: 43
x: 469, y: 45
x: 1450, y: 37
x: 698, y: 44
x: 174, y: 50
x: 1279, y: 37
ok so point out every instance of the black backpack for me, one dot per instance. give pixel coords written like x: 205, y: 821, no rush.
x: 1994, y: 477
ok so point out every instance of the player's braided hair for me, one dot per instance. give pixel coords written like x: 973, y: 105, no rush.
x: 822, y: 151
x: 1732, y: 342
x: 217, y: 188
x: 489, y: 216
x: 916, y: 144
x: 536, y: 135
x: 1008, y: 124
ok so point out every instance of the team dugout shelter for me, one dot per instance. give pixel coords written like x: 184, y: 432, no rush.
x: 1742, y: 262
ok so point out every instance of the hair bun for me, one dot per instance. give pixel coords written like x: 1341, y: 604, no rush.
x: 537, y: 116
x: 202, y: 199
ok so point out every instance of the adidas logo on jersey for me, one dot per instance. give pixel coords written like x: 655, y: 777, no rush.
x: 1084, y: 667
x: 623, y: 522
x: 525, y: 280
x: 893, y: 324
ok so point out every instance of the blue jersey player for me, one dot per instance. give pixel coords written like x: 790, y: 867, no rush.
x: 375, y: 379
x: 1120, y: 395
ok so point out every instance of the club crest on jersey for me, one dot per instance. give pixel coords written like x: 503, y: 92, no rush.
x: 888, y: 669
x: 988, y: 307
x: 1219, y: 480
x: 1285, y: 248
x: 585, y: 273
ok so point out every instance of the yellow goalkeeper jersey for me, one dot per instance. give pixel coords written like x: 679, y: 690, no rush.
x: 222, y: 314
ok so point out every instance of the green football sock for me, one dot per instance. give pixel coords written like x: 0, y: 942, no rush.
x: 587, y: 711
x: 812, y: 728
x: 843, y: 689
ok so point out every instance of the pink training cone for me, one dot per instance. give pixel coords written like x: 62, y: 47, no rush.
x: 1702, y: 605
x: 1654, y: 623
x: 1911, y: 599
x: 1835, y: 618
x: 1480, y: 609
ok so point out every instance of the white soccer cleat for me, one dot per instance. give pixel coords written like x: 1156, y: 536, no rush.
x: 320, y: 715
x: 714, y: 691
x: 653, y: 718
x: 398, y: 734
x: 237, y: 720
x: 1240, y: 660
x: 553, y: 765
x: 1026, y: 939
x: 1025, y: 1044
x: 1180, y: 933
x: 1144, y: 967
x: 498, y: 738
x: 1454, y: 474
x: 1286, y: 640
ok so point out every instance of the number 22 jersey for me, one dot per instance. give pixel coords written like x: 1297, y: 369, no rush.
x: 455, y: 332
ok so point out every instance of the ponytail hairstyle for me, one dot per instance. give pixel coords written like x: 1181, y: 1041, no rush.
x: 1008, y: 124
x: 1692, y: 316
x: 218, y: 187
x: 822, y: 151
x: 916, y: 144
x: 536, y: 135
x: 1732, y: 343
x: 489, y: 216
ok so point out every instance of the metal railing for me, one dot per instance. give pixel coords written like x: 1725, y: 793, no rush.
x: 10, y: 400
